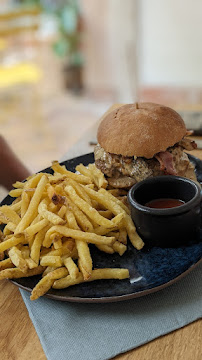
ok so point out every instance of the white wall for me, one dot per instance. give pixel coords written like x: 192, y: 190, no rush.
x: 170, y: 42
x: 110, y: 46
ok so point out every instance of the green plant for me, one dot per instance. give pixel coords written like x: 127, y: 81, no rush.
x: 67, y: 14
x: 70, y: 32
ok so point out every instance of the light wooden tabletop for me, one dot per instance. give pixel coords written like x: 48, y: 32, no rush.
x: 19, y: 340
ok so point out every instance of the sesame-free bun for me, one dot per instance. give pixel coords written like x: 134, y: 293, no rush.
x: 140, y: 129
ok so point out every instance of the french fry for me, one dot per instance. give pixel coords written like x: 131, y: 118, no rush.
x: 85, y: 261
x: 99, y: 178
x: 59, y: 189
x: 81, y: 218
x: 25, y: 252
x: 29, y: 190
x: 17, y: 259
x: 124, y: 201
x: 42, y: 287
x: 49, y: 260
x: 16, y: 192
x: 84, y: 171
x: 35, y: 228
x: 36, y: 245
x: 106, y: 213
x: 57, y: 179
x: 47, y: 270
x: 46, y: 282
x: 1, y: 239
x: 90, y: 186
x: 55, y: 237
x: 13, y: 241
x: 78, y: 235
x: 4, y: 219
x: 122, y: 236
x: 102, y: 197
x: 16, y: 206
x: 114, y: 233
x: 68, y: 249
x: 17, y: 200
x: 105, y: 248
x: 118, y: 220
x: 119, y: 247
x: 57, y: 242
x: 52, y: 207
x: 135, y: 239
x: 68, y: 243
x: 104, y: 201
x: 73, y: 253
x: 9, y: 228
x: 10, y: 214
x: 97, y: 274
x: 15, y: 273
x: 114, y: 199
x: 71, y: 267
x: 25, y: 203
x: 31, y: 263
x: 52, y: 252
x: 36, y: 219
x: 19, y: 185
x: 53, y: 218
x: 101, y: 230
x: 129, y: 225
x: 62, y: 212
x: 33, y: 181
x: 71, y: 220
x: 30, y: 241
x: 33, y: 206
x: 79, y: 190
x: 50, y: 191
x: 88, y: 209
x: 80, y: 178
x: 6, y: 264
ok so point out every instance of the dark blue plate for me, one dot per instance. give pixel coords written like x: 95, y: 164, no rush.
x: 151, y: 269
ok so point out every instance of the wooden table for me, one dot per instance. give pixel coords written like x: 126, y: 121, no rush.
x: 19, y: 341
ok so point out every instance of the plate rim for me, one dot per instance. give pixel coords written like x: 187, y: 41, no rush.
x: 110, y: 299
x: 107, y: 299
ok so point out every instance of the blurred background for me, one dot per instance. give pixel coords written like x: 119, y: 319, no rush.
x: 64, y: 62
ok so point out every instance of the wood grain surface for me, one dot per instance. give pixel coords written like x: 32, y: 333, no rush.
x: 19, y: 341
x: 18, y: 337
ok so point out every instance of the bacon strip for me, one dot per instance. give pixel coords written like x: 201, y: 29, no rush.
x: 165, y: 159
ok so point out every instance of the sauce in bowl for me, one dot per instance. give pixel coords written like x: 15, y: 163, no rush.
x: 164, y: 203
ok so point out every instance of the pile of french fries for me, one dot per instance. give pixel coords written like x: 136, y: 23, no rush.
x: 52, y: 221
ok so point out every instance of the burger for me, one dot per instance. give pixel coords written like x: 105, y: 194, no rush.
x: 141, y: 140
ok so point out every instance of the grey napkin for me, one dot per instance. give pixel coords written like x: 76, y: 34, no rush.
x: 77, y: 331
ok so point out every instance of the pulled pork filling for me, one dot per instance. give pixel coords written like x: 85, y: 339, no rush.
x: 124, y: 171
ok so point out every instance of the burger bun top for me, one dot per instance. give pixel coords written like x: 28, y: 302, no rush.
x: 140, y: 129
